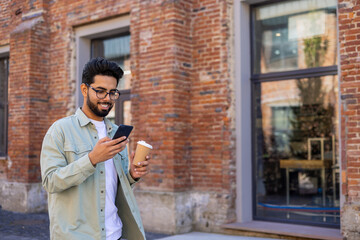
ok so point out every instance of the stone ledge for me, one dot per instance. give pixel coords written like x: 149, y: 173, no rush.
x: 22, y: 197
x: 184, y: 211
x: 283, y: 229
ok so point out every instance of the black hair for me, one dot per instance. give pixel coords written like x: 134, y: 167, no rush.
x: 101, y: 66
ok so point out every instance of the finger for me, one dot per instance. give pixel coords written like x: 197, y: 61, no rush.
x: 142, y: 174
x: 116, y: 150
x: 139, y: 174
x: 115, y: 145
x: 118, y: 140
x: 122, y: 145
x: 142, y: 164
x: 141, y: 170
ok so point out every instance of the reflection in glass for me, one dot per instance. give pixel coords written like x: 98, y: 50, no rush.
x: 286, y: 32
x: 127, y: 112
x: 296, y: 143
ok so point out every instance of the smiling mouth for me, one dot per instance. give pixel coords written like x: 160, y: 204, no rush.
x: 105, y: 106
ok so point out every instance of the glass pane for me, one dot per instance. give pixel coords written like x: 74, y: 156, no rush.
x: 127, y: 112
x: 111, y: 115
x: 3, y: 80
x: 127, y: 119
x: 294, y: 35
x: 3, y: 132
x: 296, y: 149
x: 116, y: 49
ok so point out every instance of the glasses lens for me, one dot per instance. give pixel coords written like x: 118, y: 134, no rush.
x: 101, y: 94
x: 114, y: 95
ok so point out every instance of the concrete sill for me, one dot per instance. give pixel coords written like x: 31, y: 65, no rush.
x: 283, y: 229
x: 3, y: 158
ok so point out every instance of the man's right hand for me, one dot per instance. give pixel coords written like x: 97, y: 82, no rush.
x: 106, y: 148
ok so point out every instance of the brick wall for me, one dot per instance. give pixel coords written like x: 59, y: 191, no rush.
x: 211, y: 136
x: 181, y: 88
x: 161, y: 68
x: 29, y: 45
x: 5, y: 21
x: 349, y: 41
x: 349, y: 25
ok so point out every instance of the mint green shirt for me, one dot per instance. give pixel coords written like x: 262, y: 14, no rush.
x: 76, y: 189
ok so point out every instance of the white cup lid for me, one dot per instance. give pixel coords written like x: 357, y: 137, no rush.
x: 145, y: 144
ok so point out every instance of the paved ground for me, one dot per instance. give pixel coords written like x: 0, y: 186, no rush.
x: 209, y: 236
x: 34, y: 226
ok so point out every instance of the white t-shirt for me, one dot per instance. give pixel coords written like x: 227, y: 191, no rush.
x: 113, y: 224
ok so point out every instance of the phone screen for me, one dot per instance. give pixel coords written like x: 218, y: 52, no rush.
x: 123, y: 130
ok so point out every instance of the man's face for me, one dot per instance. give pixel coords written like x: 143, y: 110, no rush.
x: 100, y: 107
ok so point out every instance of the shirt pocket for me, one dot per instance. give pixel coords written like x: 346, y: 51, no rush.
x: 74, y: 152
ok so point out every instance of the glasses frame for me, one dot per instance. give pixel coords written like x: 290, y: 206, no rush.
x: 107, y: 93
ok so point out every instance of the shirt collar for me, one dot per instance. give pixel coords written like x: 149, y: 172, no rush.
x: 84, y: 120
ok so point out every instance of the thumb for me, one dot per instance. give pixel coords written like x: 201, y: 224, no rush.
x: 104, y: 139
x: 132, y: 155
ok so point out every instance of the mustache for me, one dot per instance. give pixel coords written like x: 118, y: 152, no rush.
x: 105, y: 103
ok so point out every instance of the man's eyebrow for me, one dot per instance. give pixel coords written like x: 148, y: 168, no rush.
x: 101, y: 88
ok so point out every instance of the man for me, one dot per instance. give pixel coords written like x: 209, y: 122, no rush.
x: 85, y: 172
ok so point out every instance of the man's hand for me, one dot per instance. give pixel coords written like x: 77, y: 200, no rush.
x: 139, y: 170
x: 106, y: 148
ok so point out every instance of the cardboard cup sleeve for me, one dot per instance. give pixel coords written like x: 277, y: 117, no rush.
x: 142, y: 150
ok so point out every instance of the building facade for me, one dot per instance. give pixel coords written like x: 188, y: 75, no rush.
x: 251, y: 106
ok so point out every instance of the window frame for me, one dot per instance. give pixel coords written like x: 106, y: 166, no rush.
x: 6, y: 106
x: 83, y: 36
x: 259, y: 78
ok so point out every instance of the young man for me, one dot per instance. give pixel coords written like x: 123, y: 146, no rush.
x: 85, y: 172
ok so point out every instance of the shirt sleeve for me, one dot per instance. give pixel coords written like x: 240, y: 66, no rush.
x: 131, y: 179
x: 57, y: 174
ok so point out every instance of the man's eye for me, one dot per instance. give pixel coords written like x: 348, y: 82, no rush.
x: 101, y: 91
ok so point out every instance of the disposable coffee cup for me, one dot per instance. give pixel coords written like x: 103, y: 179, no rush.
x: 142, y: 150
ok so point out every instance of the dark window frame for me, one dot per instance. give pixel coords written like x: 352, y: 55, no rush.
x: 268, y: 77
x: 6, y: 107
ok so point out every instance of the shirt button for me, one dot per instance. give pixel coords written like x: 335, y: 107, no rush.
x: 101, y: 210
x: 103, y: 229
x: 102, y: 191
x: 101, y: 172
x: 95, y: 137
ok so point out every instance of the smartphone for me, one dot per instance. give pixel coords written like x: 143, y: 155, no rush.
x: 123, y: 130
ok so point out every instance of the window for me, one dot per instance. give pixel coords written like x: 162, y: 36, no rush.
x: 117, y: 49
x: 4, y: 70
x: 295, y: 112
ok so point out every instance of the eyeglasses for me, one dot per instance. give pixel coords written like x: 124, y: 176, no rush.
x: 101, y: 94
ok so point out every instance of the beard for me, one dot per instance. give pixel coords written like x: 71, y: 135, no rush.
x: 95, y: 109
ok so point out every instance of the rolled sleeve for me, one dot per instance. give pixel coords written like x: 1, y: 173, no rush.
x: 131, y: 179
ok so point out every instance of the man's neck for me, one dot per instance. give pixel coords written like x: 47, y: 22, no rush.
x: 90, y: 114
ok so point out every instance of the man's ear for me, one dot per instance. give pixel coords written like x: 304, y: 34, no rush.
x: 84, y: 89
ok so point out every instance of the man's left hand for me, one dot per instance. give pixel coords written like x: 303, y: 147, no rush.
x: 139, y: 170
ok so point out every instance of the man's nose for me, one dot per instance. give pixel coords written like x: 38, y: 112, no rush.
x: 107, y: 97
